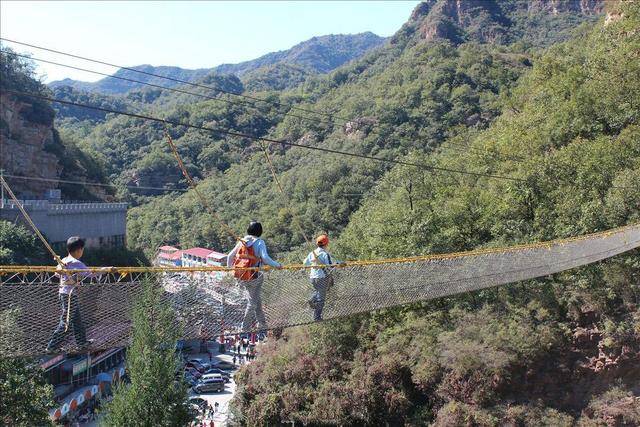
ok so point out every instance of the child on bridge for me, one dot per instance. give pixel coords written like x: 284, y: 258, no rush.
x: 69, y: 301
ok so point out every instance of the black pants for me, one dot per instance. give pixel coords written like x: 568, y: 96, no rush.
x: 74, y: 319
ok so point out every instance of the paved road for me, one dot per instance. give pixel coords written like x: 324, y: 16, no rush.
x: 223, y: 399
x: 221, y: 417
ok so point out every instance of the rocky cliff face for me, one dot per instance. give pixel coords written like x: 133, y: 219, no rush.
x: 491, y: 21
x: 555, y: 7
x: 26, y: 130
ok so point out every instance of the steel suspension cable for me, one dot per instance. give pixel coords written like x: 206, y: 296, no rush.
x: 279, y: 104
x: 257, y: 138
x: 463, y: 148
x: 194, y: 187
x: 92, y: 184
x: 172, y: 89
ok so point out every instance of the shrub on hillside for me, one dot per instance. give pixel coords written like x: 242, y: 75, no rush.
x: 460, y: 414
x: 530, y: 415
x: 616, y: 407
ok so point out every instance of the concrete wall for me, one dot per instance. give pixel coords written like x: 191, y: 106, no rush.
x: 102, y: 224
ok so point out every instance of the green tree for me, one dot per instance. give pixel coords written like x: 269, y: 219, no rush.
x: 25, y: 397
x: 154, y: 397
x: 18, y: 245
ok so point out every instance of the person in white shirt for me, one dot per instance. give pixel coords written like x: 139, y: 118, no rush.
x: 69, y: 301
x: 321, y: 277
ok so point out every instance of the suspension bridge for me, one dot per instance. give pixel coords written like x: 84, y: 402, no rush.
x: 209, y: 302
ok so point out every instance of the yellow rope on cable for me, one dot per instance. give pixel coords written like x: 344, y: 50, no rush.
x: 30, y: 222
x: 486, y: 251
x: 286, y: 199
x: 193, y: 186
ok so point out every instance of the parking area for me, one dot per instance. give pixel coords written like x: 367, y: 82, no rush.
x: 205, y: 371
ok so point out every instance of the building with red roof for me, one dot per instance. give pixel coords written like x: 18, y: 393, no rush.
x: 195, y: 257
x: 217, y: 259
x: 169, y: 256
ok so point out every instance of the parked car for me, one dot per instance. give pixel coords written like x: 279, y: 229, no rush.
x: 209, y: 376
x: 193, y: 372
x: 195, y: 365
x: 194, y: 410
x: 205, y: 363
x: 190, y: 379
x: 202, y: 403
x: 226, y: 366
x: 215, y: 384
x: 225, y: 375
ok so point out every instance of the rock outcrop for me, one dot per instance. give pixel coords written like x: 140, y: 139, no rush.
x: 585, y: 7
x: 26, y: 133
x: 487, y: 21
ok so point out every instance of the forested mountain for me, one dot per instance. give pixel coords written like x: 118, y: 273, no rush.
x: 557, y: 351
x: 544, y: 91
x: 537, y: 22
x: 109, y: 86
x: 316, y: 55
x: 408, y: 96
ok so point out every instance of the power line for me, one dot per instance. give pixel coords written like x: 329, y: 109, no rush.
x: 93, y: 184
x: 464, y: 147
x: 133, y: 187
x: 257, y: 138
x: 254, y: 98
x: 461, y: 148
x: 177, y: 90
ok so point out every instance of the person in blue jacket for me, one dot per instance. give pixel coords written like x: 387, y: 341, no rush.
x: 321, y: 275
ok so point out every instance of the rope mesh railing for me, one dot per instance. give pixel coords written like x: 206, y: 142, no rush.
x: 209, y: 302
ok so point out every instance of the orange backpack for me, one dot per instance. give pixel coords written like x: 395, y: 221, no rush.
x: 245, y: 258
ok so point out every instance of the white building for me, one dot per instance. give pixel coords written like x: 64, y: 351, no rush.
x: 195, y: 257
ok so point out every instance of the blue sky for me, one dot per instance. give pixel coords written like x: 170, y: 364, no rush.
x: 186, y: 34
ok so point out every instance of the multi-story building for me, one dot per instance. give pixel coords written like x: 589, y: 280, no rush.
x: 102, y: 225
x: 171, y: 256
x: 195, y: 257
x: 168, y: 256
x: 81, y: 379
x: 217, y: 259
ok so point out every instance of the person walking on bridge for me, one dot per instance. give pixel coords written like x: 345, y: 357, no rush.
x: 321, y: 278
x: 251, y: 252
x: 69, y: 301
